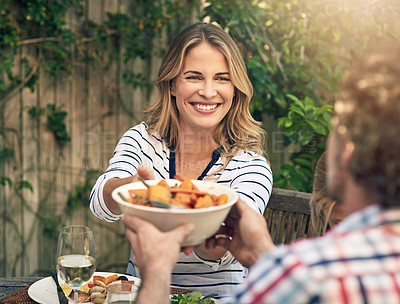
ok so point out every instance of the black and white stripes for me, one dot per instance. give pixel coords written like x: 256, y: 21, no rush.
x: 247, y: 173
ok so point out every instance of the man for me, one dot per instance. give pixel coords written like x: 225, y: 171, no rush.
x: 358, y: 261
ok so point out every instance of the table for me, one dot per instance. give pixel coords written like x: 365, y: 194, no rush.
x: 13, y: 284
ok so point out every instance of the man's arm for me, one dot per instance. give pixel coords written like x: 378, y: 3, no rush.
x: 156, y: 253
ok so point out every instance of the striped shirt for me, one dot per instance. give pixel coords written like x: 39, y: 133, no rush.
x: 358, y: 261
x: 247, y: 173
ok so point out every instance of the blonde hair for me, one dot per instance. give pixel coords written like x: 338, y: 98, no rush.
x: 238, y: 130
x: 321, y: 204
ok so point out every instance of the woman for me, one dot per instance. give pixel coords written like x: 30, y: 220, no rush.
x: 201, y: 128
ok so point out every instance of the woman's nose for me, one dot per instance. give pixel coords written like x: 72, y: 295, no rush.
x: 207, y: 89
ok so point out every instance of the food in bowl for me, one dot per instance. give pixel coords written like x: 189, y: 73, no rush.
x: 183, y: 195
x: 207, y: 220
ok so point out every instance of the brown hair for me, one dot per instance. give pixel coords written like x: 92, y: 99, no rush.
x: 368, y: 114
x: 238, y: 129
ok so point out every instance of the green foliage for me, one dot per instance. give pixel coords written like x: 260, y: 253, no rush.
x: 81, y: 193
x: 56, y: 124
x: 190, y: 298
x: 52, y: 225
x: 305, y: 119
x: 306, y: 125
x: 296, y: 52
x: 4, y: 180
x: 55, y: 121
x: 6, y: 154
x: 23, y: 184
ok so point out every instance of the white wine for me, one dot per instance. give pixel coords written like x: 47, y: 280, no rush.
x: 76, y: 269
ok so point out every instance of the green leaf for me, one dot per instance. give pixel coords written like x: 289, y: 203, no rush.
x: 302, y: 162
x: 5, y: 180
x: 23, y: 184
x: 6, y: 153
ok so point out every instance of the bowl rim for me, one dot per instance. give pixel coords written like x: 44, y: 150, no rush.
x: 230, y: 203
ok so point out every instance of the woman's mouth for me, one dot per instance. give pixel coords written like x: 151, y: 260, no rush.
x: 205, y: 107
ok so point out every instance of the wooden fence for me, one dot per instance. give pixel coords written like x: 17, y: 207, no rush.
x: 100, y: 109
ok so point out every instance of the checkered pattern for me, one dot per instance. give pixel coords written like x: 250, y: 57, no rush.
x: 356, y: 262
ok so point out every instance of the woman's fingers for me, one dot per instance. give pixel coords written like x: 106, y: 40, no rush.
x: 145, y: 173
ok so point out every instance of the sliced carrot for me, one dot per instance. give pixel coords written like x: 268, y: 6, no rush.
x: 127, y: 288
x: 110, y: 279
x: 98, y: 278
x: 181, y: 190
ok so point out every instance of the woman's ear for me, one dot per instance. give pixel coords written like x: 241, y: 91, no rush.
x: 172, y: 88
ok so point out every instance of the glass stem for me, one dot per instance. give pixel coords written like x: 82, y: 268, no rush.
x: 75, y: 296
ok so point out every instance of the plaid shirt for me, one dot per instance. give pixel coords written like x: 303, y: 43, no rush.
x: 356, y: 262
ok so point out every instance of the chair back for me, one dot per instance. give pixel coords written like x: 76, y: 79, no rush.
x: 288, y: 216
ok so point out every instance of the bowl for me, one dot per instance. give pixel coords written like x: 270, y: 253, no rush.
x: 207, y: 221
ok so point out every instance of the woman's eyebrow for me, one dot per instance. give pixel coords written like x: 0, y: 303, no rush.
x: 198, y: 73
x: 193, y: 72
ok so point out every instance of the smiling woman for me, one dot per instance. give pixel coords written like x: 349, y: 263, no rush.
x: 203, y: 91
x: 201, y: 128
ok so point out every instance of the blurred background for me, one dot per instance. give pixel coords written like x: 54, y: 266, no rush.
x: 76, y: 74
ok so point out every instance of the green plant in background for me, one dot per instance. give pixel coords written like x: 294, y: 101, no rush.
x: 55, y: 122
x: 306, y: 125
x: 80, y: 196
x: 296, y: 52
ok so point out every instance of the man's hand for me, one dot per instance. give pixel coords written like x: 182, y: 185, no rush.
x: 156, y: 253
x: 153, y: 248
x: 245, y: 234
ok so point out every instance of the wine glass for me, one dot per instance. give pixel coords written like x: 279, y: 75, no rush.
x: 76, y: 260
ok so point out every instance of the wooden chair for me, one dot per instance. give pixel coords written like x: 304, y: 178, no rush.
x: 288, y: 216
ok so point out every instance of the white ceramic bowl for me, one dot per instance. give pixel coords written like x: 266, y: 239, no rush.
x: 206, y: 220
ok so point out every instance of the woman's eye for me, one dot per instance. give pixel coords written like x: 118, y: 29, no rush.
x: 223, y: 79
x: 193, y: 77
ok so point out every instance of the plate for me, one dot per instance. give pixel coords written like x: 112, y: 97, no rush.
x: 44, y: 291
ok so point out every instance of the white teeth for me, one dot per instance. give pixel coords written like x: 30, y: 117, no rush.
x: 205, y: 107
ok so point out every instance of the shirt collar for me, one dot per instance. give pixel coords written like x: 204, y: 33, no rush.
x: 372, y: 215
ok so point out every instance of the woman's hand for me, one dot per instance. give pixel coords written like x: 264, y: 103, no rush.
x: 248, y: 234
x: 114, y: 183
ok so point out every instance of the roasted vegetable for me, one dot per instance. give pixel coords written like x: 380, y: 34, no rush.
x: 186, y: 195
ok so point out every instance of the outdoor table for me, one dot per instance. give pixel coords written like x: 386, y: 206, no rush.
x: 15, y: 289
x: 17, y: 285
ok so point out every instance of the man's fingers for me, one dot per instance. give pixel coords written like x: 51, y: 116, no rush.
x: 182, y: 231
x: 133, y: 222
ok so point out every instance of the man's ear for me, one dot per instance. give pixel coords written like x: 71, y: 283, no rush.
x: 347, y: 153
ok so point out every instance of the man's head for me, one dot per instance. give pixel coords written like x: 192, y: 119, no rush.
x: 367, y: 128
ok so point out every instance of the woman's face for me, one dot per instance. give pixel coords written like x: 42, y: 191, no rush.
x: 203, y: 89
